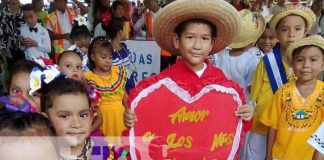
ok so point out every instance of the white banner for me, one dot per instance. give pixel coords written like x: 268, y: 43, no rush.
x: 145, y: 57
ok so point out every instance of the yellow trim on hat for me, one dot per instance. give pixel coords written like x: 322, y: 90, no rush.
x: 252, y: 27
x: 299, y: 10
x: 311, y: 40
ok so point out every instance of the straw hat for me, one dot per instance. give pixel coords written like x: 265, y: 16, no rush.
x: 311, y: 40
x: 220, y: 13
x: 252, y: 27
x: 300, y: 10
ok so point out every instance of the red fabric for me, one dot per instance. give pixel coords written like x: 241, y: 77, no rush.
x: 189, y: 80
x: 128, y: 11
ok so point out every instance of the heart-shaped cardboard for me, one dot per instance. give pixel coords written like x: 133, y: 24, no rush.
x: 173, y: 124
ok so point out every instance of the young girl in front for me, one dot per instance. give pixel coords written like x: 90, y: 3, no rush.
x: 121, y: 55
x: 296, y: 109
x: 66, y: 103
x: 110, y: 82
x: 290, y: 24
x: 69, y: 63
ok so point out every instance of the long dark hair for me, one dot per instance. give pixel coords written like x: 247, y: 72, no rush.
x: 96, y: 43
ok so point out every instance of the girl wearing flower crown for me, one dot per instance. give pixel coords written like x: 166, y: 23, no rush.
x: 110, y: 82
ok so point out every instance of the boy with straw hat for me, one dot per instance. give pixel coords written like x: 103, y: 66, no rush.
x: 193, y: 29
x: 296, y: 110
x: 290, y: 24
x: 239, y: 63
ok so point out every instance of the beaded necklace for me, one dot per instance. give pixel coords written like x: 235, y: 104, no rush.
x: 82, y: 155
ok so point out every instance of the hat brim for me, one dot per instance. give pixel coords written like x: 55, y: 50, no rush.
x: 313, y: 40
x: 247, y: 36
x: 220, y: 13
x: 306, y: 13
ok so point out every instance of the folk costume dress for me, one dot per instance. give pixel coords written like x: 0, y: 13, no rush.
x: 123, y: 57
x: 295, y: 119
x: 111, y: 89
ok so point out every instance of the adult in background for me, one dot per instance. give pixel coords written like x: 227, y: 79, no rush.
x: 59, y: 24
x: 38, y: 6
x: 146, y: 22
x: 11, y: 19
x: 99, y: 7
x: 3, y: 3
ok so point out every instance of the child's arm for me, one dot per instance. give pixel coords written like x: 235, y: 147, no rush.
x: 125, y: 98
x: 55, y: 36
x: 257, y: 82
x: 318, y: 156
x: 270, y: 141
x: 83, y: 8
x: 97, y: 120
x: 129, y: 116
x: 245, y: 112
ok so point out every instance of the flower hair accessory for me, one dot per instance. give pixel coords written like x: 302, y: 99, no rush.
x: 80, y: 21
x: 37, y: 77
x: 14, y: 105
x: 106, y: 18
x: 94, y: 96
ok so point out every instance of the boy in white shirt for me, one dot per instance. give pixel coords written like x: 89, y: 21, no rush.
x: 239, y: 62
x: 35, y: 40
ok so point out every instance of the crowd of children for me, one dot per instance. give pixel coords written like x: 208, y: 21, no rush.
x: 80, y: 94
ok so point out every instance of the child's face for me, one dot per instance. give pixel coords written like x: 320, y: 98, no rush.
x: 30, y: 18
x: 194, y: 44
x: 119, y: 12
x: 71, y: 117
x: 39, y: 5
x: 20, y: 86
x: 289, y: 29
x: 71, y: 66
x: 267, y: 40
x: 308, y: 64
x: 83, y: 42
x: 103, y: 59
x: 27, y: 148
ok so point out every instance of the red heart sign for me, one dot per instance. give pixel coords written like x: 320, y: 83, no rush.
x: 185, y: 127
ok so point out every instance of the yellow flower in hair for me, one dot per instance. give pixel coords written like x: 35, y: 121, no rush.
x: 35, y: 80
